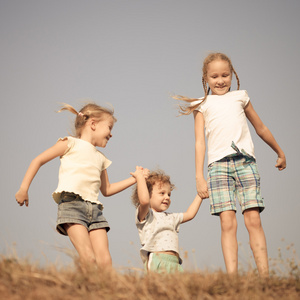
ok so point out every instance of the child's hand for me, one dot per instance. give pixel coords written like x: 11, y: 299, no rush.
x: 202, y: 189
x: 281, y: 163
x: 22, y: 197
x: 139, y: 171
x: 146, y: 173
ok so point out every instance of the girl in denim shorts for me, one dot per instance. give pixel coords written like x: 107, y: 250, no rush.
x: 82, y: 174
x: 232, y: 170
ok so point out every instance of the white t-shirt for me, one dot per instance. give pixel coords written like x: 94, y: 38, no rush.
x: 158, y: 232
x: 80, y: 170
x: 226, y: 122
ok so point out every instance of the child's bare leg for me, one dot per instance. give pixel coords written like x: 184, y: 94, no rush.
x: 99, y: 242
x: 229, y: 240
x: 80, y: 238
x: 257, y: 239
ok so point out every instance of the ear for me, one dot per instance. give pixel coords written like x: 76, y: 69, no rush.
x: 92, y: 124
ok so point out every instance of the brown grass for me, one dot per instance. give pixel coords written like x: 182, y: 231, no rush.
x: 20, y: 279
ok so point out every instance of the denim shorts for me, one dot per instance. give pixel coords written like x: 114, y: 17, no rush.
x: 234, y: 177
x: 163, y: 263
x: 72, y: 209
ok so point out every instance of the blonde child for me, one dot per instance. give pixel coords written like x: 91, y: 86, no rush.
x: 232, y: 170
x: 157, y: 228
x: 82, y: 174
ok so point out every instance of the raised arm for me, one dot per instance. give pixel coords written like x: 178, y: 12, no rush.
x: 265, y: 134
x: 108, y: 189
x: 192, y: 210
x: 143, y: 193
x: 57, y: 150
x: 200, y: 154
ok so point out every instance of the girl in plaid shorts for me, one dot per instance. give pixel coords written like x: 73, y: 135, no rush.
x: 232, y: 170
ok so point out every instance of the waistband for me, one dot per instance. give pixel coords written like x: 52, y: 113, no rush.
x: 164, y: 256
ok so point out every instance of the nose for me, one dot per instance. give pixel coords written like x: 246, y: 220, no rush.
x: 220, y: 80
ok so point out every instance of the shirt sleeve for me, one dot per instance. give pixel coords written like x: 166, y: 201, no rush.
x: 71, y: 143
x: 105, y: 161
x: 178, y: 218
x: 197, y: 102
x: 148, y: 216
x: 245, y: 98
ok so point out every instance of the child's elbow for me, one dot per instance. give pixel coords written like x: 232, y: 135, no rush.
x: 104, y: 192
x: 260, y: 131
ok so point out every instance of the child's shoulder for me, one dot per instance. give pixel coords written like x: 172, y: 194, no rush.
x: 238, y: 93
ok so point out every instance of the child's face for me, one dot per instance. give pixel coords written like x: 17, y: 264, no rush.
x: 103, y: 130
x: 160, y: 196
x: 219, y: 77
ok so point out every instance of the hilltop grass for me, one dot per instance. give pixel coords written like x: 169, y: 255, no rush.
x: 21, y: 279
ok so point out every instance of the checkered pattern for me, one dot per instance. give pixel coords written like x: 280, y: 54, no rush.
x: 234, y: 177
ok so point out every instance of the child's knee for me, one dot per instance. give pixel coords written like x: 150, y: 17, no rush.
x: 252, y: 220
x: 228, y: 221
x: 104, y: 259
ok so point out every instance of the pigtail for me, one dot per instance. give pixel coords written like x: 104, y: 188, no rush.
x: 237, y: 78
x: 187, y: 109
x: 68, y: 107
x: 90, y: 110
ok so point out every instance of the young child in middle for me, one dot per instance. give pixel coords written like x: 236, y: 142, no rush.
x: 157, y: 228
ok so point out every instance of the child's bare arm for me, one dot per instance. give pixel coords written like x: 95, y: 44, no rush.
x: 200, y: 155
x: 143, y: 193
x: 57, y: 150
x: 265, y: 134
x: 108, y: 189
x: 192, y: 210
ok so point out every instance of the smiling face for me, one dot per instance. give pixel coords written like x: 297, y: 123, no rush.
x: 102, y: 132
x: 219, y: 77
x: 160, y: 196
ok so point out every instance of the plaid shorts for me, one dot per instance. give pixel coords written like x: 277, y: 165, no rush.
x: 234, y: 177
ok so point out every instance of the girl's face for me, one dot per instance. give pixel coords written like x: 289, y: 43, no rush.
x: 102, y: 131
x: 160, y: 196
x: 219, y: 77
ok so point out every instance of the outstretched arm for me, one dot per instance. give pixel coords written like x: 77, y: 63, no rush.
x: 143, y: 193
x: 57, y: 150
x: 265, y: 134
x: 108, y: 189
x: 200, y: 154
x: 192, y: 210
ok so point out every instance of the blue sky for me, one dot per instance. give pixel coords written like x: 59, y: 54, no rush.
x: 133, y: 55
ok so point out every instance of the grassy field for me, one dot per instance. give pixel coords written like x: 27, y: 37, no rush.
x: 21, y: 279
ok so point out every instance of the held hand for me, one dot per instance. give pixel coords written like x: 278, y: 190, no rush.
x: 146, y: 173
x: 281, y: 163
x: 139, y: 171
x: 22, y: 197
x: 202, y: 189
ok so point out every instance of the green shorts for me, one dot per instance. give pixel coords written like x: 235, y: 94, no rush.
x: 163, y: 263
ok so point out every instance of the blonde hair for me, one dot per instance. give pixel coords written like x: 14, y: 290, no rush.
x: 187, y: 108
x: 157, y: 176
x: 90, y: 110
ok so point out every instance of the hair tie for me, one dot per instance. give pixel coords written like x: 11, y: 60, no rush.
x: 80, y: 114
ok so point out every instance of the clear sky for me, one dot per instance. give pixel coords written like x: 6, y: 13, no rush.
x: 134, y: 54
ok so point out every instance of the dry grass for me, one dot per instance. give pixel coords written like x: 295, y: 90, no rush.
x: 20, y: 279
